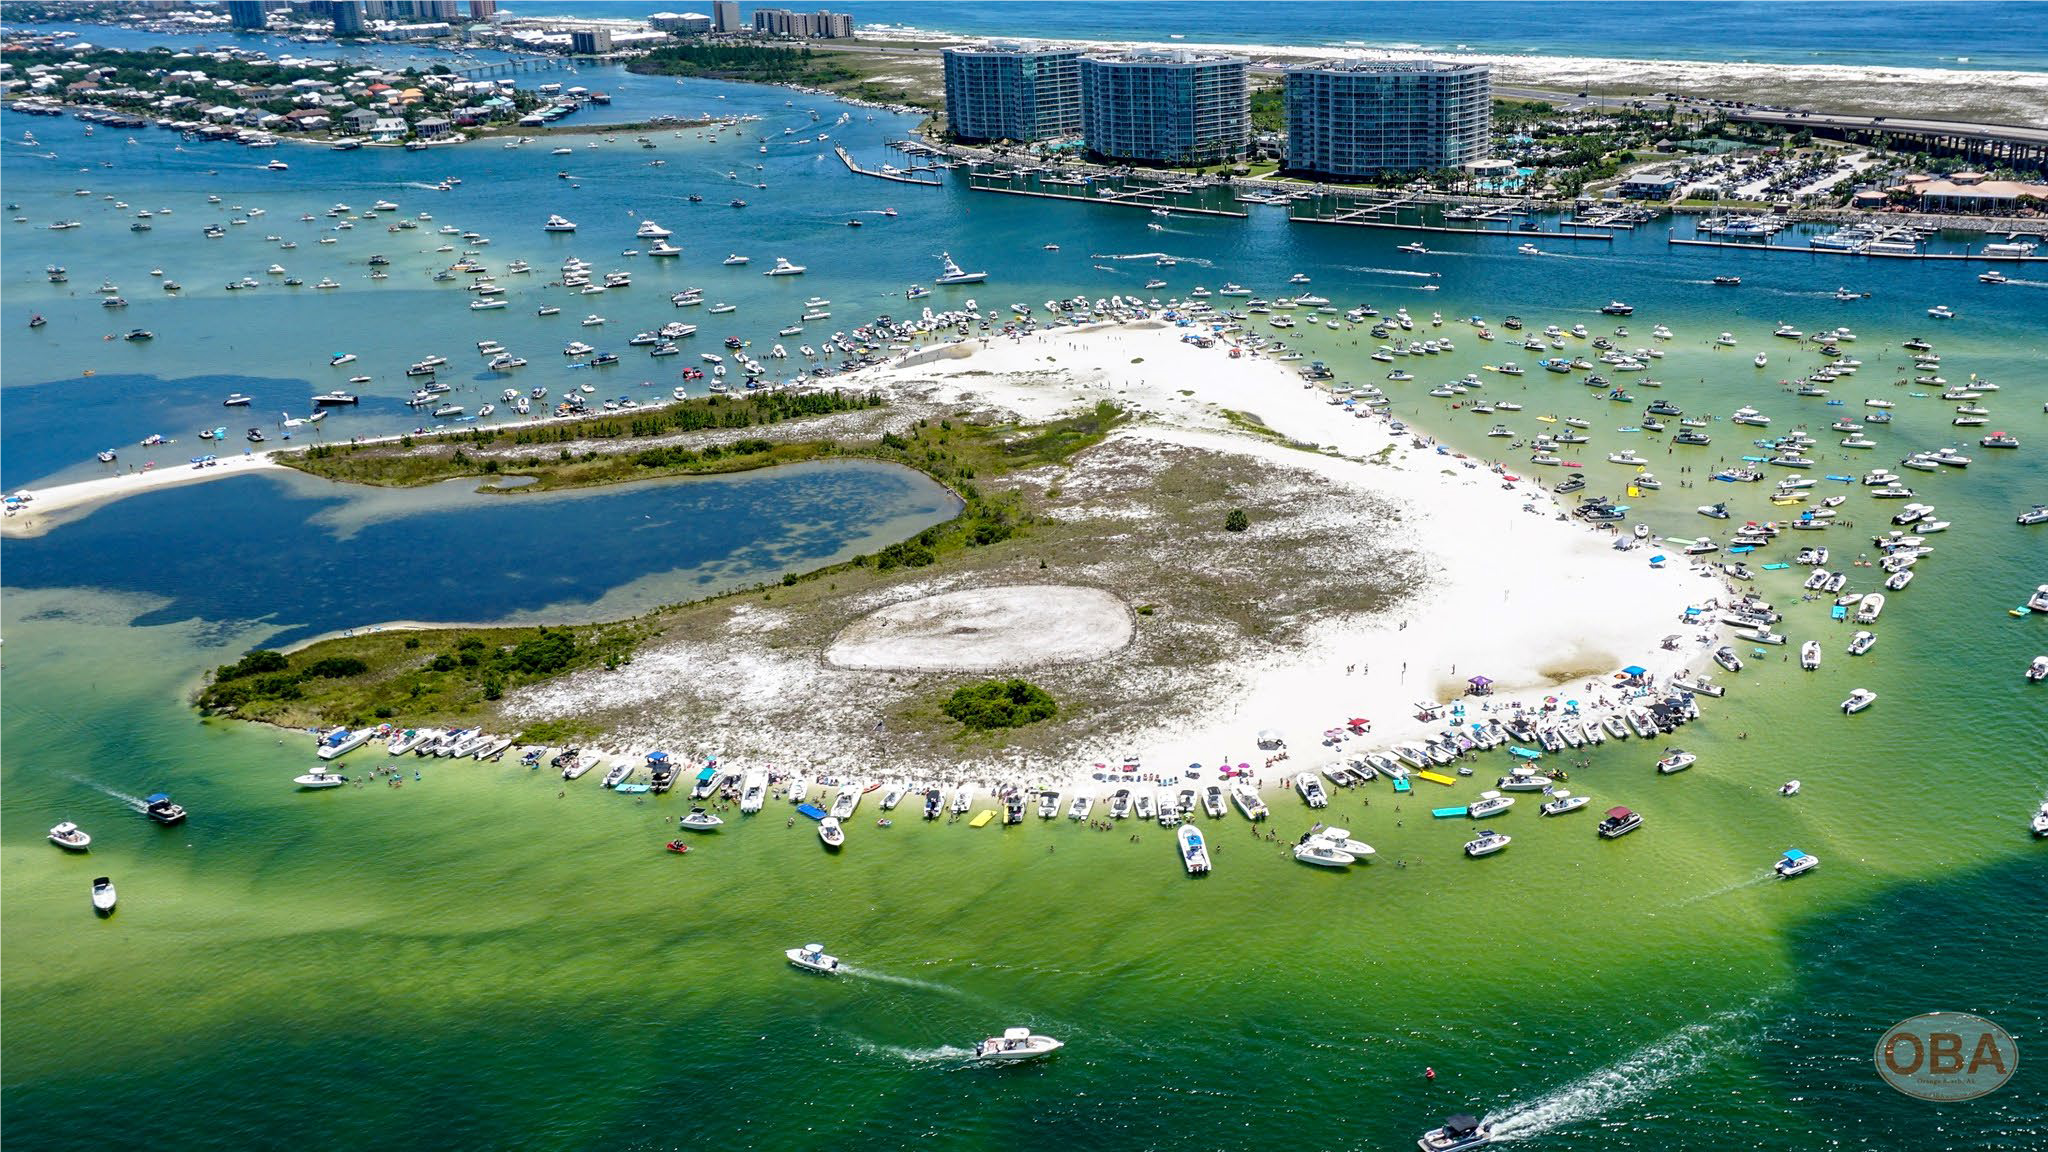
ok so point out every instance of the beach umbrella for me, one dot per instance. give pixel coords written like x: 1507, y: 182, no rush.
x: 1634, y: 670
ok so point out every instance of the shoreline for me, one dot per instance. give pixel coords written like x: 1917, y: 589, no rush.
x: 53, y: 507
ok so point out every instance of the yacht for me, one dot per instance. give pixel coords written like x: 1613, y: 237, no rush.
x: 831, y: 833
x: 320, y: 778
x: 158, y: 807
x: 1487, y: 843
x: 734, y: 260
x: 953, y: 274
x: 1793, y: 862
x: 649, y: 230
x: 812, y: 958
x: 1194, y: 852
x: 1014, y: 1045
x: 1619, y: 822
x: 1458, y: 1134
x: 103, y: 895
x: 784, y: 268
x: 70, y: 836
x: 1858, y: 700
x: 558, y: 224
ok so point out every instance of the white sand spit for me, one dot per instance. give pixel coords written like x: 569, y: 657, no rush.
x: 987, y: 630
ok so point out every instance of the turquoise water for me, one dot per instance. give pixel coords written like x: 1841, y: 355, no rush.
x: 483, y: 958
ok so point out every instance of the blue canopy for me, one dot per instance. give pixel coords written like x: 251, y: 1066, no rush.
x: 1634, y: 670
x: 156, y: 798
x: 657, y: 757
x: 1793, y: 854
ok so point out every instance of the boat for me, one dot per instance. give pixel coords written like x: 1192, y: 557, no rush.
x: 1562, y: 802
x: 1861, y: 642
x: 700, y: 820
x: 1194, y: 853
x: 1793, y: 862
x: 1082, y: 805
x: 812, y: 958
x: 1311, y: 790
x: 1321, y: 852
x: 1489, y: 804
x: 1048, y: 804
x: 785, y: 268
x: 70, y: 836
x: 1487, y: 843
x: 320, y: 778
x: 1458, y: 1134
x: 831, y: 833
x: 1809, y: 655
x: 1678, y: 760
x: 1789, y: 788
x: 1617, y: 308
x: 1247, y: 800
x: 2038, y: 670
x: 103, y: 895
x: 1618, y: 822
x: 953, y: 274
x: 1858, y: 700
x: 1015, y: 1045
x: 558, y: 224
x: 158, y: 807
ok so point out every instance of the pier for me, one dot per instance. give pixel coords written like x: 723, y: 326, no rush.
x: 904, y: 177
x: 1128, y: 198
x: 1350, y: 220
x: 1786, y: 249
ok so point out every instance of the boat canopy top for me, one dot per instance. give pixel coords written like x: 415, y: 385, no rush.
x: 156, y: 798
x: 657, y: 757
x: 1461, y: 1126
x: 1619, y: 813
x: 1793, y: 854
x: 1016, y: 1033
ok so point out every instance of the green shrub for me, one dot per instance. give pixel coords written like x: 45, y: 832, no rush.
x: 995, y: 704
x: 1237, y: 521
x: 336, y: 667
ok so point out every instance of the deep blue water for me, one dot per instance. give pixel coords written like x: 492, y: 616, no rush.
x: 310, y: 559
x: 1994, y: 36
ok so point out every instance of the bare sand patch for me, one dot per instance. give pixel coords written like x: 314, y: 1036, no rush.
x: 987, y: 630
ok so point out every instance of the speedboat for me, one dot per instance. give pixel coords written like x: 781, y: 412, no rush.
x: 831, y: 833
x: 1487, y: 843
x: 1678, y: 761
x: 1340, y: 839
x: 1809, y: 655
x: 1789, y: 788
x: 1319, y: 851
x: 784, y: 268
x: 1562, y: 802
x: 1311, y: 790
x: 1489, y: 804
x: 1194, y: 853
x: 103, y: 895
x: 1794, y: 862
x: 1619, y: 822
x: 70, y: 836
x: 812, y: 958
x: 1014, y: 1045
x: 699, y: 820
x: 1083, y: 804
x: 1458, y: 1134
x: 320, y: 778
x: 2038, y: 670
x: 1248, y: 802
x: 1858, y: 700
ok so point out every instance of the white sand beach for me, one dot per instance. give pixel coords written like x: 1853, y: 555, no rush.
x: 48, y: 507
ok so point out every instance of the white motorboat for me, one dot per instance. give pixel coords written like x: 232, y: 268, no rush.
x: 1867, y: 612
x: 1311, y: 789
x: 1142, y: 806
x: 700, y: 820
x: 1213, y: 802
x: 1858, y: 700
x: 1489, y: 804
x: 1318, y: 851
x: 618, y: 774
x: 409, y: 739
x: 963, y: 799
x: 1048, y: 804
x: 581, y: 766
x: 812, y: 958
x: 1793, y: 862
x: 831, y: 833
x: 1247, y: 800
x: 1083, y: 804
x: 320, y: 779
x: 341, y: 741
x: 845, y: 801
x: 1561, y: 802
x: 1861, y: 642
x: 1458, y: 1134
x: 1014, y: 1045
x: 2038, y: 670
x: 1789, y: 788
x: 1340, y: 839
x: 103, y: 895
x: 1678, y: 760
x: 954, y: 274
x: 2040, y: 824
x: 1523, y: 779
x: 70, y: 836
x: 1809, y: 655
x: 1194, y: 852
x: 1487, y: 843
x: 785, y: 268
x: 753, y: 791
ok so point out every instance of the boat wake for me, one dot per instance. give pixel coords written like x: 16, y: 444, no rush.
x: 1723, y: 890
x: 1630, y: 1079
x: 943, y: 1054
x: 1196, y: 261
x: 134, y: 802
x: 1393, y: 272
x: 900, y: 981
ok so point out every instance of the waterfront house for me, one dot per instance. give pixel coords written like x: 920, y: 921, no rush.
x: 360, y: 120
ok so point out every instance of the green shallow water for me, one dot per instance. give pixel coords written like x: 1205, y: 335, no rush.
x: 486, y: 957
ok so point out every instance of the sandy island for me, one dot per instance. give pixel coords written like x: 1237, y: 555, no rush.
x: 45, y: 508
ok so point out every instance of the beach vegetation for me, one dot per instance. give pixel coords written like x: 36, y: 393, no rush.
x: 996, y: 704
x: 1238, y: 521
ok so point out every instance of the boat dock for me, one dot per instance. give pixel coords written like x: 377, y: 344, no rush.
x: 1349, y: 219
x: 904, y: 177
x: 1787, y: 249
x: 1129, y: 198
